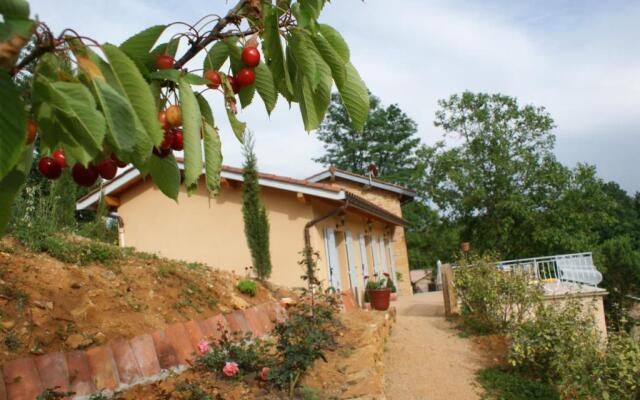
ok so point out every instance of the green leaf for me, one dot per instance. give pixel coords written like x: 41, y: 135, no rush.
x: 302, y: 48
x: 119, y: 116
x: 332, y: 58
x: 166, y: 175
x: 138, y: 46
x: 335, y: 39
x: 216, y: 56
x: 191, y: 126
x: 13, y: 122
x: 274, y: 54
x: 54, y: 135
x: 11, y: 184
x: 322, y: 94
x: 246, y: 95
x: 14, y: 9
x: 205, y: 109
x: 266, y: 87
x: 237, y: 126
x: 137, y: 91
x: 304, y: 93
x: 172, y: 75
x: 355, y: 97
x: 235, y: 54
x: 213, y: 157
x: 15, y: 28
x: 76, y: 111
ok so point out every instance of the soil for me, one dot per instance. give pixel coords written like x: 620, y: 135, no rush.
x: 47, y: 305
x: 426, y: 357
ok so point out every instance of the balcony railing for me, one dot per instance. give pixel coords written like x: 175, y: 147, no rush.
x: 576, y: 268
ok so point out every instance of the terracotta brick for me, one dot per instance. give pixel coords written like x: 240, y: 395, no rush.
x: 194, y: 332
x: 276, y: 311
x: 255, y: 324
x: 22, y: 379
x: 167, y: 356
x: 179, y: 339
x: 237, y: 322
x: 53, y: 371
x: 80, y: 380
x: 213, y: 327
x: 104, y: 371
x: 144, y: 349
x: 3, y: 390
x: 128, y: 368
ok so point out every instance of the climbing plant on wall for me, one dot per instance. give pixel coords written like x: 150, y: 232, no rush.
x: 99, y: 106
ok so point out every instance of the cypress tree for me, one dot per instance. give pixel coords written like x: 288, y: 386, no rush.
x: 256, y: 223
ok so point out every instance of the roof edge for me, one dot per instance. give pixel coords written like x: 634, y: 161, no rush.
x: 364, y: 180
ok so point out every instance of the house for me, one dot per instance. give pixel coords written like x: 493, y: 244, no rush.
x: 355, y: 224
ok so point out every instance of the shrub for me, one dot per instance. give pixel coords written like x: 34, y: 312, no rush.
x: 250, y: 355
x: 493, y: 300
x: 304, y: 337
x: 248, y: 287
x: 501, y: 383
x: 563, y: 346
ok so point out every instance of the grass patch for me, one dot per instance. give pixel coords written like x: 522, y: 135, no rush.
x: 502, y: 383
x: 247, y: 287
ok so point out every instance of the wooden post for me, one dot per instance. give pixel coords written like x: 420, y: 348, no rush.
x: 449, y: 292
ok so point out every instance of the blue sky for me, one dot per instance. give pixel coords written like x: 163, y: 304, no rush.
x: 579, y: 59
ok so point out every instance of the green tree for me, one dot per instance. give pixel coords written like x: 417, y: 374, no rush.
x: 389, y: 140
x: 256, y: 222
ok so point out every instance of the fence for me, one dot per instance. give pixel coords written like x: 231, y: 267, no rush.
x: 577, y: 268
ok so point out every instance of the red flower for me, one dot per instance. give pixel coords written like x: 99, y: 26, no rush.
x: 263, y: 374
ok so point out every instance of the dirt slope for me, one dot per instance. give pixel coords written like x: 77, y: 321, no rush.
x: 47, y: 305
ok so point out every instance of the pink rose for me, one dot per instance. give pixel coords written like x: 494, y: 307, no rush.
x: 230, y: 369
x: 263, y: 374
x: 203, y: 347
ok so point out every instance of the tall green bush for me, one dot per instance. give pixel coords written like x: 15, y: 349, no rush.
x: 562, y: 346
x: 493, y: 300
x: 256, y: 222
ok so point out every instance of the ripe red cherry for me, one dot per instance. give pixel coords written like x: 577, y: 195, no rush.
x: 167, y: 142
x: 250, y: 57
x: 49, y: 168
x: 59, y: 158
x: 213, y: 77
x: 107, y: 169
x: 164, y: 61
x: 178, y: 140
x: 234, y: 84
x: 162, y: 117
x: 32, y: 130
x: 245, y: 77
x: 84, y: 176
x: 119, y: 163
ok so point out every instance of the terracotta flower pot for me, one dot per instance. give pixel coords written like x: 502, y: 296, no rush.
x: 379, y: 298
x: 464, y: 246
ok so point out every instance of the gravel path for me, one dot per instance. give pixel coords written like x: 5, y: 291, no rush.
x: 425, y: 358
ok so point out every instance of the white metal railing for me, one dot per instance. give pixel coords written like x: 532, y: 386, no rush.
x: 578, y: 268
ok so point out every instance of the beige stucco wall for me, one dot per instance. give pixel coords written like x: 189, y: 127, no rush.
x: 390, y: 202
x: 211, y: 230
x: 591, y: 302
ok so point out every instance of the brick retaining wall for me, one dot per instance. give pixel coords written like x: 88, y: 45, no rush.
x: 121, y: 364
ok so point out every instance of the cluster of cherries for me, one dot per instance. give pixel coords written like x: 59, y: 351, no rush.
x: 245, y: 77
x: 51, y: 168
x: 171, y: 121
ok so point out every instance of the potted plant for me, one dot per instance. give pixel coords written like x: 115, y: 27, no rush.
x: 378, y: 291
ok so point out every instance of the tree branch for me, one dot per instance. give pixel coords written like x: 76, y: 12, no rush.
x: 215, y: 34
